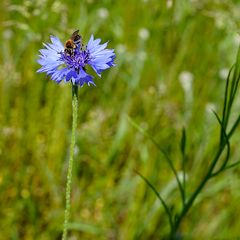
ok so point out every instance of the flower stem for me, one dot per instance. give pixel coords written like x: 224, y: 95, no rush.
x: 70, y: 167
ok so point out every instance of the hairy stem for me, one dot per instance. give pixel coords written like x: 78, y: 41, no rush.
x: 70, y: 167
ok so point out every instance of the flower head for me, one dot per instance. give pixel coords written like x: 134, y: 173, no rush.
x: 60, y: 64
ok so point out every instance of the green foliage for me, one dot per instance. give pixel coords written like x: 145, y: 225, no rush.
x: 176, y: 218
x: 172, y: 58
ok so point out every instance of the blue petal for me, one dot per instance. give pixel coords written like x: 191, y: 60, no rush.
x: 100, y: 58
x: 50, y: 59
x: 71, y: 74
x: 59, y: 74
x: 83, y: 77
x: 57, y: 45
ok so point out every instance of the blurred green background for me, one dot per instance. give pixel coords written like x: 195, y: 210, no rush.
x: 172, y: 61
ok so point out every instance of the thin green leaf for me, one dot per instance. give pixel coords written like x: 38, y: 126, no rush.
x: 232, y: 165
x: 169, y: 161
x: 183, y: 142
x: 235, y: 125
x: 226, y: 95
x: 183, y: 149
x: 221, y: 142
x: 230, y: 94
x: 166, y: 208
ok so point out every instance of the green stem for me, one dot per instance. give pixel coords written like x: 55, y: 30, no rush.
x: 70, y: 167
x: 193, y: 197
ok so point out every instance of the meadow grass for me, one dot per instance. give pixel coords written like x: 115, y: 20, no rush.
x: 172, y: 59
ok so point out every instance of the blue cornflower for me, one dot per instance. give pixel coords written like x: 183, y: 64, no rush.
x: 60, y: 65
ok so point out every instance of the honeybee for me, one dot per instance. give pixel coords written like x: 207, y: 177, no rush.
x: 71, y: 44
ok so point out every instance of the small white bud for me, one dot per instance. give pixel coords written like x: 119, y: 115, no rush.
x: 103, y: 13
x: 143, y: 33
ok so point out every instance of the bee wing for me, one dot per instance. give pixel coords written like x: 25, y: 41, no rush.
x: 74, y: 34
